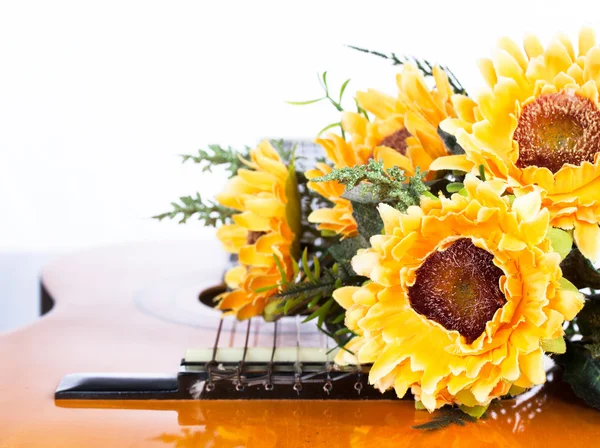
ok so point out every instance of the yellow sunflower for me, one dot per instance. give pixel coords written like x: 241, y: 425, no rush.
x: 403, y: 133
x: 539, y: 124
x: 464, y: 294
x: 263, y: 231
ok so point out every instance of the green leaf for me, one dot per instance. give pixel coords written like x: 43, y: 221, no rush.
x: 474, y: 411
x: 293, y: 208
x: 343, y: 89
x: 367, y: 218
x: 306, y: 267
x: 209, y: 212
x: 304, y: 103
x: 425, y: 66
x: 271, y: 311
x: 361, y: 195
x: 385, y: 185
x: 516, y: 390
x: 566, y: 284
x: 588, y: 320
x: 594, y: 349
x: 582, y: 373
x: 265, y: 288
x: 580, y: 271
x: 317, y: 266
x: 556, y: 345
x: 339, y: 319
x: 429, y: 195
x: 218, y: 155
x: 328, y: 127
x: 280, y: 268
x: 455, y: 187
x: 324, y: 77
x: 328, y: 233
x: 437, y: 185
x: 482, y: 173
x: 343, y: 251
x: 561, y: 241
x: 419, y: 406
x: 450, y: 142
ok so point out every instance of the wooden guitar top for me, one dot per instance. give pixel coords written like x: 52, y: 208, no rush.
x: 95, y: 326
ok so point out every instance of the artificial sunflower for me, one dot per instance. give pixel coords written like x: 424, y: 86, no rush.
x: 539, y: 124
x: 465, y: 293
x: 403, y: 133
x: 261, y: 235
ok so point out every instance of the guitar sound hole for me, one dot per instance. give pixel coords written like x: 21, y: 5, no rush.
x: 207, y: 297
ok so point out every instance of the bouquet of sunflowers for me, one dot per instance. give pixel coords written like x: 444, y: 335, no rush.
x: 447, y: 240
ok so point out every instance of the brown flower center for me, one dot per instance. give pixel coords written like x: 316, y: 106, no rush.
x: 458, y: 288
x: 397, y: 141
x: 558, y: 128
x: 253, y: 236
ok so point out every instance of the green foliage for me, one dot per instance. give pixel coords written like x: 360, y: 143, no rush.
x: 425, y: 66
x: 293, y: 207
x: 218, y: 155
x: 310, y: 294
x: 335, y: 102
x: 582, y: 372
x: 474, y: 411
x: 556, y: 345
x: 343, y: 251
x: 209, y: 212
x: 454, y: 187
x: 482, y: 173
x: 367, y: 218
x: 580, y: 271
x: 594, y: 350
x: 562, y: 242
x: 588, y: 320
x: 445, y: 417
x: 285, y: 152
x: 379, y: 184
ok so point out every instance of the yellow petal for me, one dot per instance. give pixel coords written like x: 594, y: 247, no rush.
x: 587, y: 238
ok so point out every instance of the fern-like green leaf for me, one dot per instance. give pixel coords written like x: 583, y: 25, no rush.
x: 209, y: 212
x: 378, y: 184
x: 218, y: 155
x: 425, y: 66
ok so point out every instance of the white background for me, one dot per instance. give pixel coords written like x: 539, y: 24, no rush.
x: 98, y: 98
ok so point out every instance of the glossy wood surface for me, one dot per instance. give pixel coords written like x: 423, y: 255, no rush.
x: 95, y: 327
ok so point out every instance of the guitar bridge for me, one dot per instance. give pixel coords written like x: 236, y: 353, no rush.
x: 233, y: 373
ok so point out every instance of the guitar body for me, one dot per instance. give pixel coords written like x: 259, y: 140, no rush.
x: 98, y: 325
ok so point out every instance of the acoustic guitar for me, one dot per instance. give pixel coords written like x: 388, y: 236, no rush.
x: 128, y: 354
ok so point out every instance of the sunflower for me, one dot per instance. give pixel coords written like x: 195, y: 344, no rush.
x: 464, y: 294
x: 403, y: 133
x: 539, y: 124
x: 261, y: 235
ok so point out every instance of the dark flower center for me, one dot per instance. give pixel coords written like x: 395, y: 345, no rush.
x: 397, y: 141
x: 253, y: 236
x: 558, y: 128
x: 458, y: 288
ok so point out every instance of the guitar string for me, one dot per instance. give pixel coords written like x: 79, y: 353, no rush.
x: 297, y: 364
x: 240, y: 385
x: 209, y: 365
x: 269, y: 383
